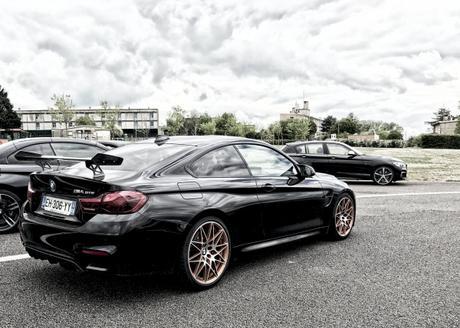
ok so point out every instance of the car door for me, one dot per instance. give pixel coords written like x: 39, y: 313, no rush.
x: 223, y: 179
x: 311, y: 154
x: 341, y: 163
x: 288, y: 204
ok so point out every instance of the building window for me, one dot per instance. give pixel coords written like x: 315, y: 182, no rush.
x: 37, y: 116
x: 53, y: 124
x: 37, y: 126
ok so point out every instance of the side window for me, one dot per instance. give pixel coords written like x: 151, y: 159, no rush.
x: 336, y: 149
x: 222, y: 162
x: 263, y: 161
x: 300, y: 149
x: 76, y: 149
x: 42, y: 149
x: 315, y: 148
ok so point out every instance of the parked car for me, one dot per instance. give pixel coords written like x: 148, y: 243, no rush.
x: 14, y: 174
x: 183, y: 203
x: 343, y: 161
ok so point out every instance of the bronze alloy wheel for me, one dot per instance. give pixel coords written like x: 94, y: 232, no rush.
x: 208, y: 253
x: 344, y: 216
x: 383, y: 175
x: 9, y: 211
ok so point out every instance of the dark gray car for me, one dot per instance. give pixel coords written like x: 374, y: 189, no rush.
x: 14, y: 174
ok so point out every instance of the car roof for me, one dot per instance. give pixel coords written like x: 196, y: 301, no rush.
x: 27, y: 141
x: 198, y: 141
x: 313, y: 142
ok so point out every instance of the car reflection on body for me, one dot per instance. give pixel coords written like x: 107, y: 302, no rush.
x: 182, y: 203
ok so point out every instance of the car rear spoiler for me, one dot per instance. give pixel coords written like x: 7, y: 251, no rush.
x: 93, y: 164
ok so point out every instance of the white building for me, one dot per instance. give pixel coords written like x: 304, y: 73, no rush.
x: 298, y: 112
x: 40, y: 122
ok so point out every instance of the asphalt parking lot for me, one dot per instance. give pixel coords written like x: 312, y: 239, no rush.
x: 399, y: 268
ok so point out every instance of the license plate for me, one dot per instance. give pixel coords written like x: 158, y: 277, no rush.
x: 58, y: 205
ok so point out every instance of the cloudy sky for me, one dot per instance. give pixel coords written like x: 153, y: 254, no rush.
x: 381, y: 59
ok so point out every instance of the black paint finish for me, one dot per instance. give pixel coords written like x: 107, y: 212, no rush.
x: 255, y: 209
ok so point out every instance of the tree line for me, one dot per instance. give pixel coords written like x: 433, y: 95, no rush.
x: 180, y: 122
x: 351, y: 125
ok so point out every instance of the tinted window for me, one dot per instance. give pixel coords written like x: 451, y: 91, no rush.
x: 222, y: 162
x: 68, y: 149
x: 315, y: 148
x: 299, y: 149
x: 263, y: 161
x: 42, y: 149
x: 336, y: 149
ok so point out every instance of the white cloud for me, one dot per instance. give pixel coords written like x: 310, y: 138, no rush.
x: 386, y: 60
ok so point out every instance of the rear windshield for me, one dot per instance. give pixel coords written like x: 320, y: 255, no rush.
x: 139, y: 156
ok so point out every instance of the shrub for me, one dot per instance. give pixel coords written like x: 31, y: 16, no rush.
x: 440, y: 141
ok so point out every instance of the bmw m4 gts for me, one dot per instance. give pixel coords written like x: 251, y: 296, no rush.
x: 178, y: 203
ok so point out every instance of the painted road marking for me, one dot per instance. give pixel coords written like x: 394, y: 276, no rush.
x: 14, y: 257
x: 409, y: 194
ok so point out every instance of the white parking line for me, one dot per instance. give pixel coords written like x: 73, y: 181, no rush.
x: 14, y: 257
x: 408, y: 194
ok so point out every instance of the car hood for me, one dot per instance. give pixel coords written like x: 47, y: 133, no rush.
x: 379, y: 158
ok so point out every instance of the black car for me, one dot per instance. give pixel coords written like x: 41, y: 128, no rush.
x: 343, y: 161
x: 14, y: 174
x: 182, y: 203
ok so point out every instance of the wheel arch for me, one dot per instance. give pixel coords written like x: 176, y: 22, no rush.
x: 15, y: 190
x: 219, y: 214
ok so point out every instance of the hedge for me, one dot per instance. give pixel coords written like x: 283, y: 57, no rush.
x: 439, y: 141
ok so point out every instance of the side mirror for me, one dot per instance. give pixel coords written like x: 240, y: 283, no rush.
x: 351, y: 153
x: 306, y: 171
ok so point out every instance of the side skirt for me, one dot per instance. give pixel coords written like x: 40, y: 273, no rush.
x: 279, y: 241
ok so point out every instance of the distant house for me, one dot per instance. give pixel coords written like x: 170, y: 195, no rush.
x: 444, y: 123
x: 364, y: 137
x: 298, y: 112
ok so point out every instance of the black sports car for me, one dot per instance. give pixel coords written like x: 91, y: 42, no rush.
x: 14, y: 174
x: 341, y: 160
x: 182, y: 203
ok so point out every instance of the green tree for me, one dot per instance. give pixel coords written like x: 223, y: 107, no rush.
x: 175, y: 123
x: 9, y: 119
x: 85, y: 120
x: 62, y: 111
x: 395, y: 135
x: 297, y: 129
x: 109, y: 118
x: 328, y: 124
x: 192, y: 123
x: 226, y: 124
x: 349, y: 124
x: 312, y: 129
x: 207, y: 128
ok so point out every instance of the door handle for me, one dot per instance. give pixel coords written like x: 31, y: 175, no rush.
x: 268, y: 187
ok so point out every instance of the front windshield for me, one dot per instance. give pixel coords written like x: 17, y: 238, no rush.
x: 139, y: 156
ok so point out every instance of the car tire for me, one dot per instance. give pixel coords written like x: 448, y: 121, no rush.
x: 342, y: 217
x: 383, y: 175
x: 10, y: 211
x: 205, y: 254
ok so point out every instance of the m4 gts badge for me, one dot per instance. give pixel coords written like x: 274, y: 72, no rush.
x: 83, y: 192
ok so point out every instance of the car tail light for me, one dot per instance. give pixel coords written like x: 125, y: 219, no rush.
x: 31, y: 192
x: 118, y: 202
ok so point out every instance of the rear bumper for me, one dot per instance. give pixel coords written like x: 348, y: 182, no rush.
x: 129, y: 253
